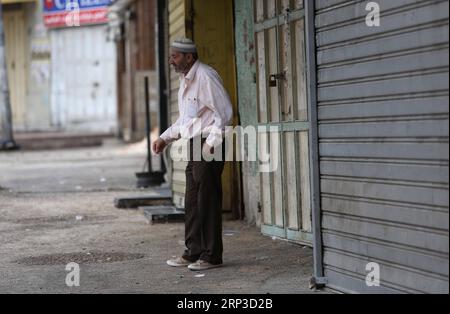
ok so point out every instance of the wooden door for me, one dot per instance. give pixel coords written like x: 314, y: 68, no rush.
x: 213, y: 32
x: 14, y: 24
x: 282, y: 103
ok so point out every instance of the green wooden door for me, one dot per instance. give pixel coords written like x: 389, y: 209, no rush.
x: 282, y: 103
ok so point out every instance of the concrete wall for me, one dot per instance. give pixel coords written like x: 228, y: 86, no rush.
x: 38, y: 64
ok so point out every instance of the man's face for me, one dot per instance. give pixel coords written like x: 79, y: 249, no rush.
x: 181, y: 62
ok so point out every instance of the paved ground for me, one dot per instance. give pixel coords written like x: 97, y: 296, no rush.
x: 57, y: 207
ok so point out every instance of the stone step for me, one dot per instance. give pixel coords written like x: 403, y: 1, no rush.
x: 139, y: 201
x: 53, y: 141
x: 162, y: 214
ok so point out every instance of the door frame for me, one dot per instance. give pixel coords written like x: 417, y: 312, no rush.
x: 318, y: 279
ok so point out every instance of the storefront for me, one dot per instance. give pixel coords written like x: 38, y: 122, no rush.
x: 83, y: 66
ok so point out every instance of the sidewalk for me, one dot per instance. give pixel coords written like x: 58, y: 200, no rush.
x: 44, y: 225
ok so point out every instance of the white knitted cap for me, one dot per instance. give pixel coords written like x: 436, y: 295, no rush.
x: 184, y: 45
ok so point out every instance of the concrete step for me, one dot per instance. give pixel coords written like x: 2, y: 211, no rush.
x: 162, y: 214
x: 140, y: 201
x: 57, y: 140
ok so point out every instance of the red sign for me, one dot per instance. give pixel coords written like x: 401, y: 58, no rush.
x: 71, y: 18
x: 49, y: 4
x: 69, y: 13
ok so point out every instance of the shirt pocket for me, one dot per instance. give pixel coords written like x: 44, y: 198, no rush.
x: 192, y: 108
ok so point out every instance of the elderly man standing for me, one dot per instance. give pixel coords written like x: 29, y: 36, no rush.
x: 205, y: 110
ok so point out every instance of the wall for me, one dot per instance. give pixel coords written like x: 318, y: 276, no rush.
x: 38, y: 59
x: 247, y: 100
x: 134, y: 25
x: 143, y: 52
x: 177, y: 29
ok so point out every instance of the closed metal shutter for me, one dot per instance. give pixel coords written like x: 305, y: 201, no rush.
x: 383, y: 140
x: 177, y: 29
x: 83, y: 87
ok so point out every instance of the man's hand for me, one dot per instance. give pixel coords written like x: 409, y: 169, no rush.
x: 207, y: 150
x: 158, y: 146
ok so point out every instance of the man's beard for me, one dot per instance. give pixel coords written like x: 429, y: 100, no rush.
x: 182, y: 68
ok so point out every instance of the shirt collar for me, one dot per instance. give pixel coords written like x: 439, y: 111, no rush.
x: 191, y: 75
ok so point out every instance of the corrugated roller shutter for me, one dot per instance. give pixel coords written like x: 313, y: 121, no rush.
x: 177, y: 29
x: 85, y: 100
x: 383, y: 139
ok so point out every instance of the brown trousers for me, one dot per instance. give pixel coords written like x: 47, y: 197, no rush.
x: 203, y: 204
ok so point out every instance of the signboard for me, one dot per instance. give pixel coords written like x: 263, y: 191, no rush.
x: 69, y: 13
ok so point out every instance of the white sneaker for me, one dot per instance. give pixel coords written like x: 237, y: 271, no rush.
x: 178, y: 262
x: 203, y: 265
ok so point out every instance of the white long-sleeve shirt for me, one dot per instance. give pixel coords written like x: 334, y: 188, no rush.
x: 204, y: 105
